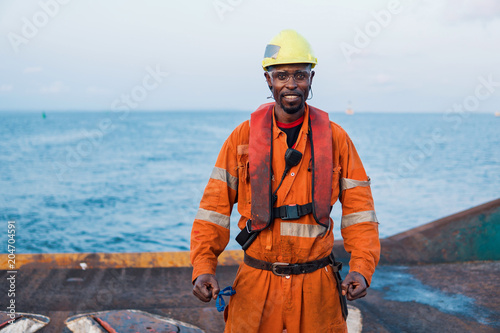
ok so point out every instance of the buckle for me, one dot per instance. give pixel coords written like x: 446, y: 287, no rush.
x: 277, y: 264
x: 248, y: 229
x: 336, y: 265
x: 292, y: 212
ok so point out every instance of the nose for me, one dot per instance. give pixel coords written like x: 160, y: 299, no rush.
x: 291, y: 84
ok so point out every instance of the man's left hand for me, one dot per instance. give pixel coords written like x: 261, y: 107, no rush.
x: 354, y: 286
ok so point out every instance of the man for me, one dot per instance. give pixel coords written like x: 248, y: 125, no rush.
x: 286, y: 167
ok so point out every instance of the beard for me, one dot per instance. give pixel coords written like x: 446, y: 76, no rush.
x: 291, y: 109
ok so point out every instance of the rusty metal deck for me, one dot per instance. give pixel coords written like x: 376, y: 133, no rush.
x: 61, y: 293
x: 439, y: 297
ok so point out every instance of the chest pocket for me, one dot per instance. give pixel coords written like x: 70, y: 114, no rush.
x: 244, y: 191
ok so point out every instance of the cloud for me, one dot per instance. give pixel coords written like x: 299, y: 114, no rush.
x: 32, y: 69
x: 6, y: 87
x: 482, y: 10
x: 54, y: 88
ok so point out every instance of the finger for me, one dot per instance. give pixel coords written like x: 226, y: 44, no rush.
x: 344, y: 287
x: 213, y: 287
x: 207, y: 291
x: 350, y: 289
x: 349, y: 292
x: 200, y: 296
x: 357, y: 290
x: 203, y: 291
x: 215, y: 292
x: 363, y: 294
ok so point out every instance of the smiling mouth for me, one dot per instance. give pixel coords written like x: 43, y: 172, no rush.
x: 291, y: 98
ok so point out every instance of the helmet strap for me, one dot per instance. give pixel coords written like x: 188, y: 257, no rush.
x: 272, y: 96
x: 311, y: 92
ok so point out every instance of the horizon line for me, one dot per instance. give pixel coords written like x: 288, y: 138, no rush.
x: 225, y: 110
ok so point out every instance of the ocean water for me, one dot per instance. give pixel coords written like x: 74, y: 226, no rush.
x: 105, y: 182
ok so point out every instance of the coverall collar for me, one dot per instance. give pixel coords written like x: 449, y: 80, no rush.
x: 276, y: 130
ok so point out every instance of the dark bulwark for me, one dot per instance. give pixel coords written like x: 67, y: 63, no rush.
x: 470, y: 235
x: 457, y: 255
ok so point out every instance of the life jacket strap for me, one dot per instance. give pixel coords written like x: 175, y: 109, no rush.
x: 292, y: 212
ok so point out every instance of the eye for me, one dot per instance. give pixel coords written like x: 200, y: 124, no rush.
x: 282, y: 76
x: 300, y: 76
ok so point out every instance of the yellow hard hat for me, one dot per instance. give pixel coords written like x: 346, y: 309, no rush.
x: 288, y: 47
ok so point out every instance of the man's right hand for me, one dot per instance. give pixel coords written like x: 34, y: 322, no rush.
x: 206, y: 287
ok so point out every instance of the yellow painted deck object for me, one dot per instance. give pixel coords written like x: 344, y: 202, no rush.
x: 114, y: 260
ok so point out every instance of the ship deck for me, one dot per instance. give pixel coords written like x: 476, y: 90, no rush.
x: 419, y: 305
x: 440, y: 277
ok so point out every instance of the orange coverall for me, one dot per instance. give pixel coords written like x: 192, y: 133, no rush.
x: 265, y: 302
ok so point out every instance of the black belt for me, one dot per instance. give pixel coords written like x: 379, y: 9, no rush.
x: 292, y: 212
x: 284, y: 269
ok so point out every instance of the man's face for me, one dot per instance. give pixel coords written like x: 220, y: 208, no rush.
x: 290, y: 85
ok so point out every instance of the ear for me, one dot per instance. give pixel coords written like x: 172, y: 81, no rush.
x: 312, y: 75
x: 268, y: 79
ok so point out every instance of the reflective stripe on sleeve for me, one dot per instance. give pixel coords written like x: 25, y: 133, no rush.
x: 346, y: 183
x: 351, y: 219
x: 214, y: 217
x: 302, y: 230
x: 226, y: 177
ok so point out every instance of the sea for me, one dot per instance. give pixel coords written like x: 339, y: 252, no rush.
x: 117, y: 182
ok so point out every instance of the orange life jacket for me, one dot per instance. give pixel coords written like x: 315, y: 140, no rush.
x: 260, y: 157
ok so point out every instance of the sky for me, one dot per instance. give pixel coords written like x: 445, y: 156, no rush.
x: 377, y: 56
